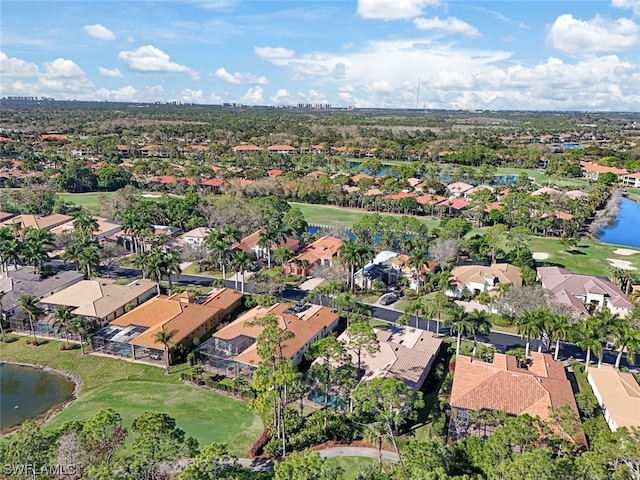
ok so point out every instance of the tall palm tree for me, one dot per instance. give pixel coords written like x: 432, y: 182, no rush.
x: 460, y: 324
x: 591, y: 338
x: 348, y: 254
x: 219, y: 249
x: 2, y: 319
x: 72, y: 253
x: 172, y: 266
x: 529, y: 326
x: 417, y: 307
x: 606, y: 323
x: 344, y: 301
x: 89, y: 259
x: 155, y: 266
x: 241, y: 262
x: 561, y: 329
x: 29, y: 304
x: 63, y: 318
x: 282, y: 254
x: 79, y: 326
x: 164, y: 337
x: 627, y: 337
x: 438, y: 304
x: 479, y: 323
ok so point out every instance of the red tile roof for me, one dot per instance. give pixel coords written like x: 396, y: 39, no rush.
x: 247, y: 148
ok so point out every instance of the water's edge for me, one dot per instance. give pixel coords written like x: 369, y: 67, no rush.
x: 56, y: 410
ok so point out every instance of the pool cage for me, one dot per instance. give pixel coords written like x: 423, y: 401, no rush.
x: 218, y: 354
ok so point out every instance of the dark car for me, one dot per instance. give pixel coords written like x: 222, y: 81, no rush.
x: 388, y: 298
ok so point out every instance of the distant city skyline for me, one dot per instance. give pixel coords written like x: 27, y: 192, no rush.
x: 475, y: 54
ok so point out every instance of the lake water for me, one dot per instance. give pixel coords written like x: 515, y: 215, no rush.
x: 32, y: 390
x: 626, y: 230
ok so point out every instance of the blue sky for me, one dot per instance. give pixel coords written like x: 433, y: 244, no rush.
x: 518, y: 54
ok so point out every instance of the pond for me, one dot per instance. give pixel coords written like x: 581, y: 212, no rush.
x: 29, y: 392
x: 625, y: 230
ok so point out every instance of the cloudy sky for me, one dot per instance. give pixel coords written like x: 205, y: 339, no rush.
x: 473, y: 54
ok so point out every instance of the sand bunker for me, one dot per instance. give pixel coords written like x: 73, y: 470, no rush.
x: 150, y: 195
x: 540, y: 255
x: 624, y: 251
x: 623, y: 264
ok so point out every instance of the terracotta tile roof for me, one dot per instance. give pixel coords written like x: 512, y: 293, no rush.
x: 324, y: 248
x: 54, y: 136
x: 247, y: 148
x: 459, y: 187
x: 4, y: 139
x: 224, y: 299
x: 504, y: 272
x: 315, y: 174
x: 212, y: 182
x: 400, y: 195
x: 5, y: 216
x: 429, y: 199
x: 493, y: 206
x: 274, y: 148
x: 360, y: 176
x: 594, y: 167
x: 275, y: 172
x: 502, y: 386
x: 455, y: 203
x: 313, y: 322
x: 199, y: 232
x: 198, y: 148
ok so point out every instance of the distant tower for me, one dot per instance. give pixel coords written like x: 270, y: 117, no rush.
x: 418, y: 96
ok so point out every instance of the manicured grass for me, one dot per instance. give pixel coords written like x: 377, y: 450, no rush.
x: 351, y: 465
x: 132, y: 388
x: 87, y: 200
x: 331, y: 215
x: 589, y: 257
x: 542, y: 178
x: 194, y: 270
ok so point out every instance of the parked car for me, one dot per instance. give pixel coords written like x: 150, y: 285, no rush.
x: 388, y: 298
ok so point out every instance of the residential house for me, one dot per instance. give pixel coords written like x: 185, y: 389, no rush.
x: 133, y: 335
x: 282, y: 149
x: 482, y: 278
x: 458, y: 189
x: 16, y: 283
x: 592, y: 171
x: 377, y: 269
x: 618, y: 395
x: 5, y: 216
x: 46, y: 222
x: 100, y: 300
x: 246, y: 149
x: 400, y: 268
x: 106, y: 228
x: 321, y: 252
x: 405, y: 353
x: 631, y: 180
x: 536, y: 387
x: 583, y: 293
x: 250, y: 244
x: 232, y: 350
x: 195, y: 237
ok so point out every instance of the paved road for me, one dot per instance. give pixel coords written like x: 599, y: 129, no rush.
x: 502, y: 341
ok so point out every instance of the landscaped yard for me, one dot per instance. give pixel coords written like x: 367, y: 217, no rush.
x: 542, y: 178
x: 351, y: 465
x: 131, y: 388
x: 87, y: 200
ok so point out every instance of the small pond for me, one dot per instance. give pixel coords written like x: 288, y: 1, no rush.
x: 29, y: 392
x: 625, y: 230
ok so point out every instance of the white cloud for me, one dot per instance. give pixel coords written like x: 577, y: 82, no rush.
x: 151, y: 59
x: 11, y: 67
x: 252, y: 97
x: 240, y: 78
x: 393, y: 9
x: 110, y: 72
x: 99, y: 31
x: 273, y: 52
x: 192, y: 96
x: 449, y: 25
x: 600, y: 34
x: 283, y: 97
x: 628, y: 4
x: 131, y: 94
x: 62, y: 68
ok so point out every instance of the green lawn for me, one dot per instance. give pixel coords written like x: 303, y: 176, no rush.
x: 87, y: 200
x: 351, y: 465
x: 132, y: 388
x: 542, y: 178
x: 331, y: 215
x: 589, y: 257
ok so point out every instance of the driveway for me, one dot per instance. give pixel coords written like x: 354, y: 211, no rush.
x: 310, y: 284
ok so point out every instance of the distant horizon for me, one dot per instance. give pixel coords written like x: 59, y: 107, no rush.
x: 400, y: 54
x: 333, y: 108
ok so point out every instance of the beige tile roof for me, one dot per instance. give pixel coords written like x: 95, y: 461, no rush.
x: 304, y: 328
x: 223, y: 298
x: 99, y: 297
x: 505, y: 272
x: 405, y: 353
x: 248, y: 243
x: 104, y: 226
x: 35, y: 221
x: 324, y: 248
x: 620, y: 394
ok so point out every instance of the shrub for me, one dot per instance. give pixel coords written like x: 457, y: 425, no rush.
x: 257, y: 447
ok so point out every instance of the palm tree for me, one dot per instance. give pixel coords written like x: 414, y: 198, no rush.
x: 164, y: 337
x: 241, y: 262
x: 89, y: 258
x: 626, y: 337
x: 71, y: 254
x: 529, y: 326
x: 417, y: 260
x: 606, y: 323
x: 460, y: 324
x: 561, y: 329
x: 86, y: 225
x: 344, y: 302
x: 29, y: 304
x: 590, y: 338
x: 79, y: 326
x: 348, y: 254
x: 438, y: 304
x: 219, y: 248
x: 63, y: 319
x: 2, y: 293
x: 480, y: 323
x: 417, y: 307
x: 172, y: 266
x: 140, y: 260
x: 282, y: 254
x: 155, y: 266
